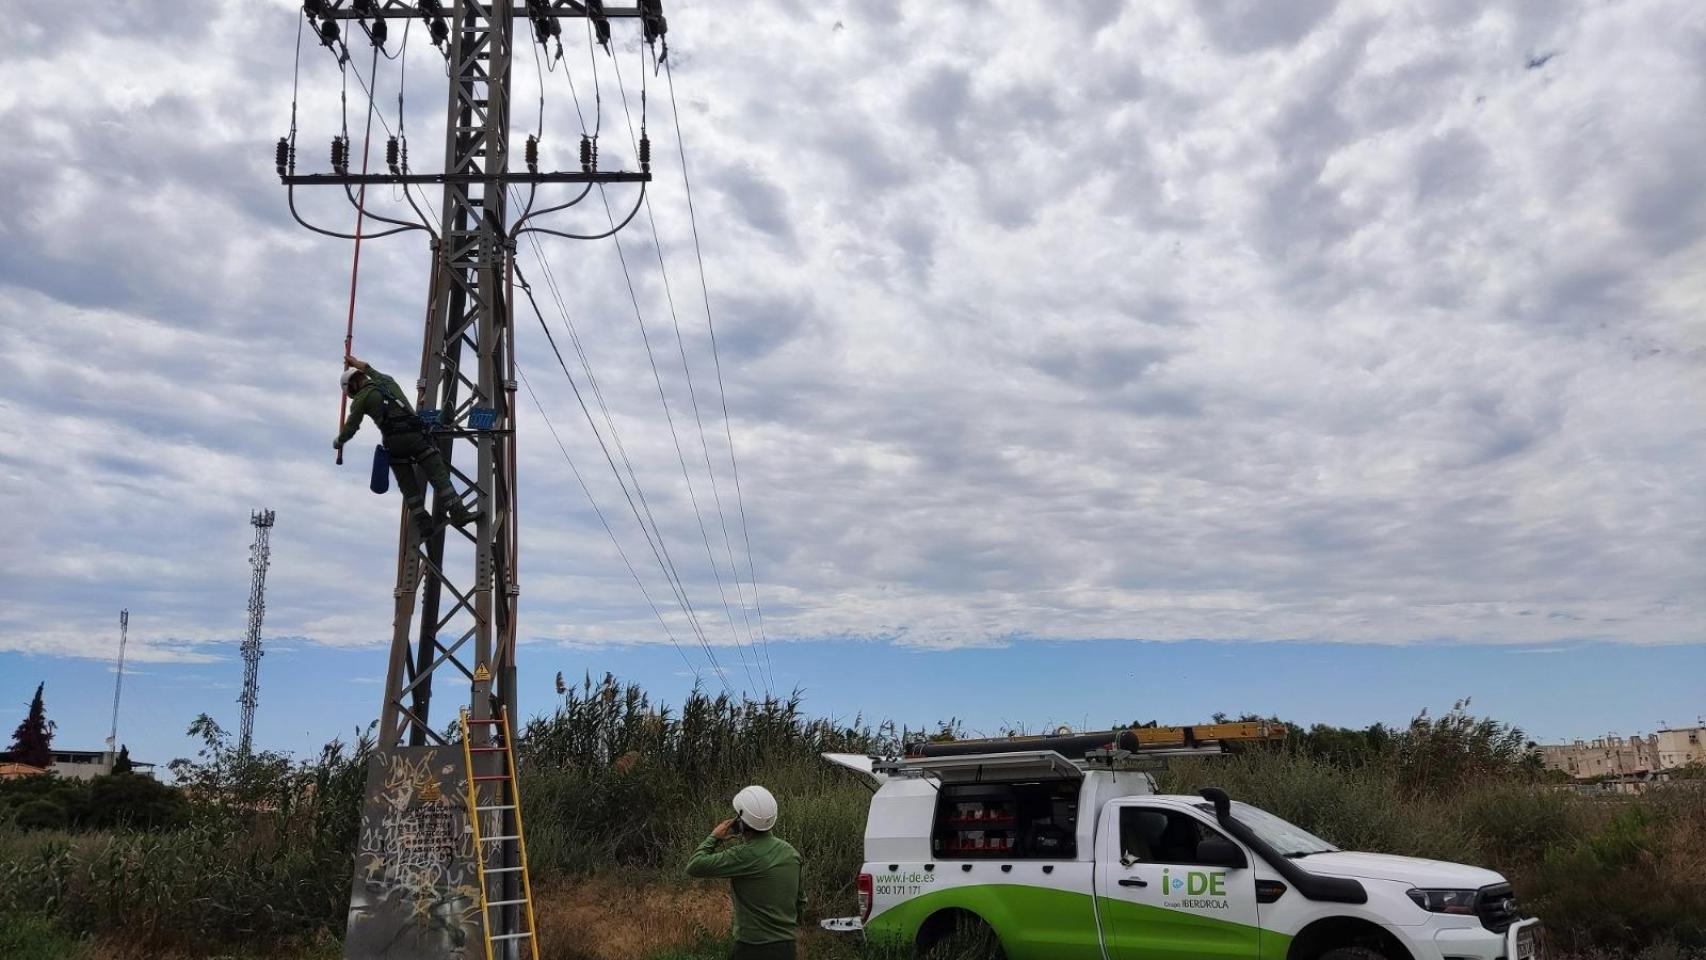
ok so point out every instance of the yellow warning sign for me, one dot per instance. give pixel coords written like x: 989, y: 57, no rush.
x: 430, y: 792
x: 481, y: 674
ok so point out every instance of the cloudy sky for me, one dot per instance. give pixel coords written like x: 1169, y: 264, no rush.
x: 1042, y: 327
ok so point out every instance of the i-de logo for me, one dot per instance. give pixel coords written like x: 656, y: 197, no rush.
x: 1194, y: 883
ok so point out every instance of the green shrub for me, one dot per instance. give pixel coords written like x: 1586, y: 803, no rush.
x: 1633, y: 882
x: 127, y: 800
x: 133, y: 801
x: 259, y: 854
x: 34, y: 937
x: 41, y: 814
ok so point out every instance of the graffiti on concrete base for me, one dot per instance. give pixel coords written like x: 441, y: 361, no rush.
x: 417, y: 885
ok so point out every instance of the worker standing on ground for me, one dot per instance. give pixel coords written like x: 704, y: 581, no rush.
x: 411, y: 451
x: 764, y: 873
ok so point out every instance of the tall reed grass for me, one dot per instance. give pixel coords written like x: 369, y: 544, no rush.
x: 617, y: 789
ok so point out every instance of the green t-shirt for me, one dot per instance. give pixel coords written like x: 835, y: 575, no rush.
x: 764, y: 872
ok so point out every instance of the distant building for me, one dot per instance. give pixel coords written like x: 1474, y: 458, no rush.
x: 77, y: 764
x: 1680, y: 747
x: 1608, y: 756
x: 13, y: 771
x: 1637, y: 756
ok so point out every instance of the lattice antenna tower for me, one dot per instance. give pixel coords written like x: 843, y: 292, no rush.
x: 118, y: 683
x: 260, y: 556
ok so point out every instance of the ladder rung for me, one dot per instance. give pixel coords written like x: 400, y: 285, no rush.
x: 503, y: 903
x: 480, y: 719
x: 505, y: 806
x: 493, y: 776
x: 486, y: 749
x: 511, y: 936
x: 503, y: 869
x: 499, y: 839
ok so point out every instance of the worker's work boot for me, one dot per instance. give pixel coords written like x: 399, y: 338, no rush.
x: 423, y: 523
x: 462, y: 515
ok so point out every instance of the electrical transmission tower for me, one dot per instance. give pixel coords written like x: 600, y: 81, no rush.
x: 260, y: 555
x: 118, y: 684
x: 454, y: 612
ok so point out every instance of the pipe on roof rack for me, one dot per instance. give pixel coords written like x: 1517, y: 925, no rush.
x: 1073, y: 746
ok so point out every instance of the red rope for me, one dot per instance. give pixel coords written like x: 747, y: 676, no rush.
x: 355, y: 263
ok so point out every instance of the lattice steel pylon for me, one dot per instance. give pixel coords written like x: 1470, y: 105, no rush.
x: 118, y: 684
x: 454, y: 609
x: 260, y: 557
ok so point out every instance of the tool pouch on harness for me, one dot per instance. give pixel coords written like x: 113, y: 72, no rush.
x: 396, y: 417
x: 380, y: 482
x: 408, y: 439
x: 405, y: 431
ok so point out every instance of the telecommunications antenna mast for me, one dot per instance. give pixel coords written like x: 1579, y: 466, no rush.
x: 118, y: 684
x: 260, y: 555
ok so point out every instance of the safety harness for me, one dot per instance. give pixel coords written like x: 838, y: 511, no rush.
x: 396, y: 419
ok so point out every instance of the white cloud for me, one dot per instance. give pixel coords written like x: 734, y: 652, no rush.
x: 1146, y: 321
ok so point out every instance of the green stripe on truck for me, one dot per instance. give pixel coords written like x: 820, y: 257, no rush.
x: 1042, y: 923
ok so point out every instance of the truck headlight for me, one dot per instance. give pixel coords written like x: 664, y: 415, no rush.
x: 1444, y: 901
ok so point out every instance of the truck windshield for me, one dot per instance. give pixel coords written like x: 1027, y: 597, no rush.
x: 1288, y: 839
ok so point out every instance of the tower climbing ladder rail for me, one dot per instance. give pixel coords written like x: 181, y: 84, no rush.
x: 499, y: 745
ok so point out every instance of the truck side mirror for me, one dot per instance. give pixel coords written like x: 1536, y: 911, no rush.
x: 1216, y: 852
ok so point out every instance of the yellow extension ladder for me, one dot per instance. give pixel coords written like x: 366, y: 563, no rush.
x: 482, y: 783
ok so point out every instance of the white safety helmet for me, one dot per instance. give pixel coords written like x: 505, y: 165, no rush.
x: 756, y: 807
x: 350, y: 373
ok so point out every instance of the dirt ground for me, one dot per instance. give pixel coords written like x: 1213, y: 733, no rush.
x: 585, y: 919
x: 604, y: 919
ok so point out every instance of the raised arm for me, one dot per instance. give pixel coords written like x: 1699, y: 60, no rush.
x: 710, y: 862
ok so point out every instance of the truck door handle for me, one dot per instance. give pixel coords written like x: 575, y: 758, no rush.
x: 1133, y: 882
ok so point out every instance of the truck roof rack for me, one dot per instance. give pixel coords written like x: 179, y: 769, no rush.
x: 1022, y: 764
x: 975, y: 767
x: 1204, y: 738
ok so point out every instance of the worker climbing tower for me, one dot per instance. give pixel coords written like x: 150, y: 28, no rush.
x: 260, y: 557
x: 454, y: 601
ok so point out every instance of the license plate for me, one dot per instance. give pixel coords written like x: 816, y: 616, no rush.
x: 1528, y: 944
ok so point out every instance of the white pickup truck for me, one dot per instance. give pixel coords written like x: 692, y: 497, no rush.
x: 1059, y: 848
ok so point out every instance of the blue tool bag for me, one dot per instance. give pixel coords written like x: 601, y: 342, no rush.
x: 381, y: 480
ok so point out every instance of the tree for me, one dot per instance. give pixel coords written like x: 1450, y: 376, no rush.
x: 32, y: 742
x: 41, y: 815
x: 121, y: 763
x: 136, y: 803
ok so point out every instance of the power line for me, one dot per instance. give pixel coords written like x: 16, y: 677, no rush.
x: 660, y: 551
x: 656, y: 374
x: 698, y: 419
x: 716, y: 358
x: 605, y: 523
x: 660, y: 548
x: 343, y: 68
x: 663, y: 398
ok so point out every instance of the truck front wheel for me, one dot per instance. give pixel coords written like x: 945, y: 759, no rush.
x: 958, y: 935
